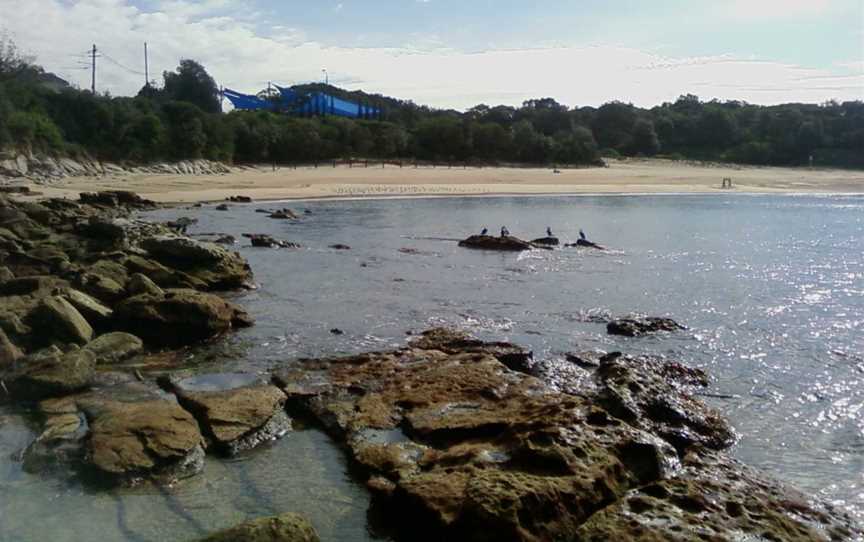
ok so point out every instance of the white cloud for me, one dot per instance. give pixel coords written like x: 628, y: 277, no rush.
x: 774, y: 8
x: 239, y: 55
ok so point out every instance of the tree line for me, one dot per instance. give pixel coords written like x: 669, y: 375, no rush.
x: 182, y: 119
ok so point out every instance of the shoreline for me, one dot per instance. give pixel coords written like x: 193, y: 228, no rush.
x: 536, y: 195
x: 626, y: 178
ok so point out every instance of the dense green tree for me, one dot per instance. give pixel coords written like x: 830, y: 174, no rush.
x: 191, y: 83
x: 644, y: 139
x: 186, y: 136
x: 443, y: 138
x: 613, y: 125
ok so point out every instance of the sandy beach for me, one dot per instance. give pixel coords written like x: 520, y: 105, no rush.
x: 630, y: 176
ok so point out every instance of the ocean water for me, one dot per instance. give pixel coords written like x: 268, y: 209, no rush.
x: 771, y: 289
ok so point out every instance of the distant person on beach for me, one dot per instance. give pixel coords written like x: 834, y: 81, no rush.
x: 548, y: 231
x: 504, y: 231
x: 582, y: 235
x: 485, y: 231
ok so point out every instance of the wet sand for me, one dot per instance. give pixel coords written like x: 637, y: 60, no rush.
x: 630, y: 176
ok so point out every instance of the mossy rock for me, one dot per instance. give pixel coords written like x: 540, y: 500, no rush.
x: 284, y: 528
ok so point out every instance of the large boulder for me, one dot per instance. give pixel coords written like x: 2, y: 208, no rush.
x: 217, y: 268
x: 283, y: 528
x: 178, y: 249
x: 488, y: 242
x: 178, y: 317
x: 161, y: 275
x: 141, y: 284
x: 90, y: 308
x: 154, y: 439
x: 9, y: 353
x: 114, y: 347
x: 238, y: 419
x: 110, y: 231
x: 100, y: 286
x: 51, y: 374
x: 36, y: 284
x: 57, y: 320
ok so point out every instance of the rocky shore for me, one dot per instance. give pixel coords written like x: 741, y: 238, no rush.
x: 455, y: 438
x: 46, y: 169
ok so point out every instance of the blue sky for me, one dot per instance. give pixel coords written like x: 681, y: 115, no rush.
x: 451, y: 53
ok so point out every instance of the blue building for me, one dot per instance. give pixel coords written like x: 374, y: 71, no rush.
x: 304, y: 104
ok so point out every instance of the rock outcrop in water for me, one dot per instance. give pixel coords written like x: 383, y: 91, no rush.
x: 584, y: 243
x: 638, y: 326
x: 237, y: 419
x: 488, y: 242
x: 546, y: 241
x: 283, y: 528
x: 455, y: 445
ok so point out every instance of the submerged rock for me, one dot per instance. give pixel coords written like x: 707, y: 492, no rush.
x: 635, y: 327
x: 283, y: 528
x: 584, y: 243
x: 488, y: 242
x: 283, y: 214
x: 262, y: 240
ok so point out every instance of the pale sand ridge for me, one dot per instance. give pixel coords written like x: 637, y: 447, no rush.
x: 630, y: 176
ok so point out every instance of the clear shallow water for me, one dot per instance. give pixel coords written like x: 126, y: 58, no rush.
x: 771, y: 288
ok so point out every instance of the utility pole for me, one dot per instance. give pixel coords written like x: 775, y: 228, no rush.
x: 146, y: 67
x: 93, y: 71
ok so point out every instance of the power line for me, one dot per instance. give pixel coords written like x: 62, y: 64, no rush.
x: 121, y: 65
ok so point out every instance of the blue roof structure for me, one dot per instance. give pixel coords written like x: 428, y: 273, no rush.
x: 297, y: 103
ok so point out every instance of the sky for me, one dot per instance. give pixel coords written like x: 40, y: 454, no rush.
x: 460, y: 53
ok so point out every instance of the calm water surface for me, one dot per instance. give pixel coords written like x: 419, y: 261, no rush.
x: 770, y: 287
